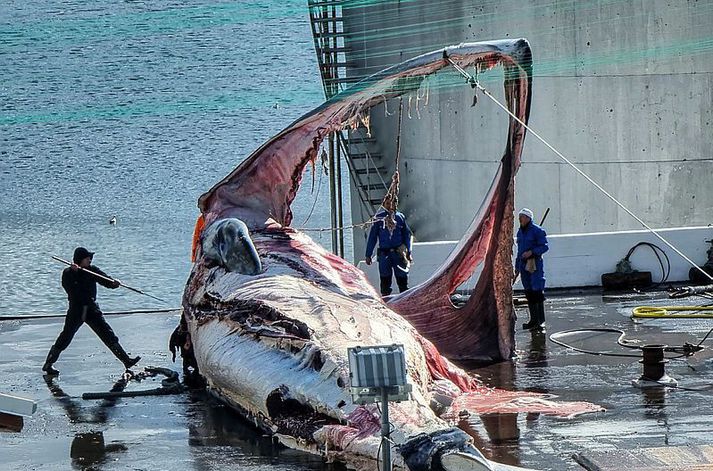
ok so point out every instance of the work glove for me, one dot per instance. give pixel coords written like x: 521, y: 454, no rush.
x: 531, y: 265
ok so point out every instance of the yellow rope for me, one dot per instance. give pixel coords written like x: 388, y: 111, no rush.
x: 672, y: 312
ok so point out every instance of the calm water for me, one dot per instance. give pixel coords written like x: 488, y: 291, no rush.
x: 133, y: 109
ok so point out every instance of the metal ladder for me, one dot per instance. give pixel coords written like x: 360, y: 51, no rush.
x: 331, y: 43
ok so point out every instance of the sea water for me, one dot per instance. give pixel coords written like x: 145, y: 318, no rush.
x: 133, y: 109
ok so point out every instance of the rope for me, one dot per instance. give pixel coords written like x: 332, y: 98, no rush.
x: 555, y: 338
x: 398, y: 135
x: 672, y: 312
x: 369, y: 158
x: 360, y: 225
x: 475, y: 82
x: 391, y: 198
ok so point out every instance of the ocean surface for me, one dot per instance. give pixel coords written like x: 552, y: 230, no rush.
x: 133, y: 109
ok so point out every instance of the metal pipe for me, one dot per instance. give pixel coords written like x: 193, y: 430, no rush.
x: 340, y: 203
x: 110, y: 280
x: 385, y: 430
x: 332, y: 195
x: 62, y: 316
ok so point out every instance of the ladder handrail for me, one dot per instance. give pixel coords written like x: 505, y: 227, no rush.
x: 324, y: 13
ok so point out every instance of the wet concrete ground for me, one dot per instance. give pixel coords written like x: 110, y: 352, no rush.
x: 634, y: 418
x: 190, y: 431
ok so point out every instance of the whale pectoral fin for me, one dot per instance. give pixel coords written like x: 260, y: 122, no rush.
x: 506, y: 467
x: 449, y: 450
x: 227, y: 243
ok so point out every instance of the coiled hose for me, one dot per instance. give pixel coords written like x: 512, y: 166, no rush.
x: 672, y: 312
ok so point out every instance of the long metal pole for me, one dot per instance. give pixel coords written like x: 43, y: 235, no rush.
x: 110, y: 280
x: 333, y: 196
x: 385, y: 430
x: 340, y: 203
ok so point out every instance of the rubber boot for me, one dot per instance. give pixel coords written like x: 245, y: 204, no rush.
x: 532, y: 307
x: 540, y: 307
x: 123, y: 357
x: 402, y: 283
x: 385, y: 285
x: 52, y: 357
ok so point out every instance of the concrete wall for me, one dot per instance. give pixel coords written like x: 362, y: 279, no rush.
x: 578, y: 260
x: 624, y: 88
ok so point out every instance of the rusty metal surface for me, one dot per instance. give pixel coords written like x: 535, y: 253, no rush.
x: 10, y: 423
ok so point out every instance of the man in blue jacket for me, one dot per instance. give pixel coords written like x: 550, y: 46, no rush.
x: 531, y: 244
x: 394, y: 254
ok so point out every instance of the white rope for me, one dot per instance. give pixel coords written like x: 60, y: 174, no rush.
x: 577, y: 169
x: 361, y: 225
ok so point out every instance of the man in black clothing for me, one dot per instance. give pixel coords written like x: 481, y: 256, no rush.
x: 81, y: 288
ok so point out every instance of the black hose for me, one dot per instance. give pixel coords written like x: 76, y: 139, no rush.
x: 665, y: 269
x: 117, y: 313
x: 555, y: 339
x: 704, y: 338
x: 685, y: 350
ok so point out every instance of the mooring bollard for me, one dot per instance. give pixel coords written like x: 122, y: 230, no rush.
x: 654, y: 368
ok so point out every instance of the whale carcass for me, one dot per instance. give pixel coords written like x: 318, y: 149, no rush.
x: 271, y: 314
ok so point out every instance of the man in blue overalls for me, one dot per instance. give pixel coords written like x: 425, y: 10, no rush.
x: 394, y: 254
x: 531, y: 244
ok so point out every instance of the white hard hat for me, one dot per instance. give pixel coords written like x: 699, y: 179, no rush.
x: 527, y: 212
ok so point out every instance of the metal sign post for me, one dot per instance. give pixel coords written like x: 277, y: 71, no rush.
x: 385, y: 430
x: 378, y: 374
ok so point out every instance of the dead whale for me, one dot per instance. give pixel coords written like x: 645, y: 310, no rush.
x: 271, y: 314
